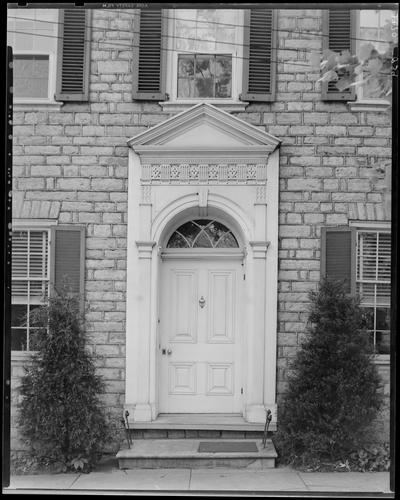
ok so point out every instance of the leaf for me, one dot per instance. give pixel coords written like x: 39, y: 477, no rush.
x: 328, y: 76
x: 331, y: 62
x: 358, y: 69
x: 345, y: 57
x: 374, y: 66
x: 343, y: 83
x: 326, y: 53
x: 365, y: 51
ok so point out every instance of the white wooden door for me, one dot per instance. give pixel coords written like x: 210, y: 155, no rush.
x: 199, y: 336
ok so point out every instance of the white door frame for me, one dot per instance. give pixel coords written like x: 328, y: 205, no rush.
x: 195, y: 257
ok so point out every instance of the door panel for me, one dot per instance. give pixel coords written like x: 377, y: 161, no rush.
x: 221, y: 325
x: 200, y: 369
x: 183, y: 310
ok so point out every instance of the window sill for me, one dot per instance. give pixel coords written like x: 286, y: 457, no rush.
x: 229, y: 106
x: 369, y: 105
x: 45, y: 105
x: 382, y: 359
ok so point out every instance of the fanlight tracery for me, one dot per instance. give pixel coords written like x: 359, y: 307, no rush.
x: 202, y: 233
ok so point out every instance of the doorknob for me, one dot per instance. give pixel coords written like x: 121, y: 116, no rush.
x: 202, y: 302
x: 169, y: 351
x: 166, y: 351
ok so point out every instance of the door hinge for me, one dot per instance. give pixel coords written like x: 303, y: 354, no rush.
x: 241, y: 390
x: 244, y: 276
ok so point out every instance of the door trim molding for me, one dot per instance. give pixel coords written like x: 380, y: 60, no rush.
x: 203, y: 253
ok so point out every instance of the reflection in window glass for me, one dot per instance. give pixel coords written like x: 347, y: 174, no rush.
x: 204, y: 75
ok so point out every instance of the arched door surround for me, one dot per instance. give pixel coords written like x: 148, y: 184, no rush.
x: 202, y: 165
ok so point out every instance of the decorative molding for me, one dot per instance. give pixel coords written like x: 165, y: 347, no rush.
x: 195, y: 171
x: 246, y: 134
x: 145, y: 249
x: 203, y: 253
x: 145, y: 195
x: 261, y: 195
x: 230, y: 107
x: 203, y: 201
x: 259, y: 249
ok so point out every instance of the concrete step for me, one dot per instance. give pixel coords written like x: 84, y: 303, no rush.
x: 184, y: 453
x: 194, y: 434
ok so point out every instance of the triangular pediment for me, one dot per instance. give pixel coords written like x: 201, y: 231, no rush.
x: 204, y: 127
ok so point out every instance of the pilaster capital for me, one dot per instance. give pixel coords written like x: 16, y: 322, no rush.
x: 259, y: 249
x: 145, y: 249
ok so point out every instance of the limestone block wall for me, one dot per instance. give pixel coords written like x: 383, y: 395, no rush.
x: 71, y: 164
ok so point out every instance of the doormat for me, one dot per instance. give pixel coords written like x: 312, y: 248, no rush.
x: 227, y: 447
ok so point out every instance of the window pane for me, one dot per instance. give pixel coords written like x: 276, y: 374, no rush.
x: 383, y: 294
x: 177, y: 241
x: 228, y: 241
x: 383, y: 342
x: 31, y: 75
x: 185, y: 76
x: 18, y: 314
x: 382, y: 318
x: 38, y: 288
x: 19, y: 288
x: 368, y: 318
x: 189, y: 230
x: 33, y: 338
x: 18, y: 339
x: 215, y: 230
x: 223, y: 76
x: 203, y: 241
x: 204, y: 76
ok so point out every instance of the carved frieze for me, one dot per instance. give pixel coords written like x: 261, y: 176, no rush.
x: 191, y: 172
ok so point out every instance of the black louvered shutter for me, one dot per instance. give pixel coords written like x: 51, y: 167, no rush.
x: 338, y: 28
x: 67, y: 258
x: 338, y: 255
x: 259, y: 55
x: 149, y: 55
x: 73, y: 55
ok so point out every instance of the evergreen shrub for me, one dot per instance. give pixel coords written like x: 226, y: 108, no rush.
x: 61, y: 415
x: 333, y: 386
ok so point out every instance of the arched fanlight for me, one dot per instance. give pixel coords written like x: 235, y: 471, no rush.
x: 202, y: 233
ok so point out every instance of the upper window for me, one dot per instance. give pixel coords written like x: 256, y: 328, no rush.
x: 202, y: 233
x: 223, y: 55
x: 32, y: 33
x: 373, y: 285
x: 29, y: 284
x: 205, y: 51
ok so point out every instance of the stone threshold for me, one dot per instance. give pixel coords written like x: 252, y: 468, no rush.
x: 200, y: 421
x: 183, y: 453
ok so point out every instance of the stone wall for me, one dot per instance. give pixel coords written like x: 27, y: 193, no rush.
x: 72, y: 164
